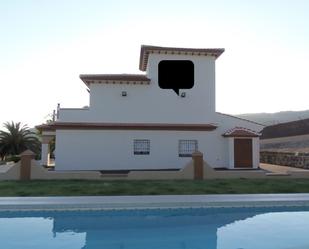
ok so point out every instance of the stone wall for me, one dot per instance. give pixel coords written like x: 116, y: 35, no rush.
x: 298, y: 160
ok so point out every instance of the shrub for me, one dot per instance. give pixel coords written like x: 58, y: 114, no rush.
x: 15, y: 158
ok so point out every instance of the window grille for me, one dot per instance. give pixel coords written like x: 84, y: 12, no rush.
x: 141, y: 147
x: 187, y: 147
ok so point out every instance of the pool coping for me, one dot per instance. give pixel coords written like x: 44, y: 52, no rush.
x: 151, y: 202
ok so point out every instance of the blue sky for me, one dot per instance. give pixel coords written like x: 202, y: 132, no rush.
x: 45, y: 45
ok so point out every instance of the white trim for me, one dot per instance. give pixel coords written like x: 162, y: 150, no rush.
x: 148, y: 202
x: 45, y: 154
x: 231, y: 152
x: 256, y: 152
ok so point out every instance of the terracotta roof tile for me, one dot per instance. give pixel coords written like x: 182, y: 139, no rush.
x: 115, y: 78
x: 241, y: 132
x: 146, y: 50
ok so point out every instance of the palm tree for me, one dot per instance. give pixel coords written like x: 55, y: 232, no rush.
x: 17, y: 138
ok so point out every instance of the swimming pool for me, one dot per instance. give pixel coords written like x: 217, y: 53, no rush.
x: 185, y: 228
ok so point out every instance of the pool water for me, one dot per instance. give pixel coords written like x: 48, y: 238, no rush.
x: 197, y: 228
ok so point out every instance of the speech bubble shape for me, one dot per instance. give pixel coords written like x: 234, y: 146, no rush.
x: 176, y: 74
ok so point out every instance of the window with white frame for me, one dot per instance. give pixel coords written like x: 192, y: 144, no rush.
x: 187, y: 147
x: 141, y: 146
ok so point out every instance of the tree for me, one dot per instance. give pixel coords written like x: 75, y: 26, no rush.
x: 17, y: 138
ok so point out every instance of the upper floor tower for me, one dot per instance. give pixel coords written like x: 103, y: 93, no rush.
x: 178, y: 87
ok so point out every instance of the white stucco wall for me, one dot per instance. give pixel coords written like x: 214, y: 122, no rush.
x: 226, y: 122
x: 231, y: 160
x: 113, y: 150
x: 150, y: 103
x: 256, y: 152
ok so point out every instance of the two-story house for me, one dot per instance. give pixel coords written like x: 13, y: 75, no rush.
x: 133, y: 122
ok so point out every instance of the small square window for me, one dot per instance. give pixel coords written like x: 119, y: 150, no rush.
x: 187, y: 147
x: 141, y: 146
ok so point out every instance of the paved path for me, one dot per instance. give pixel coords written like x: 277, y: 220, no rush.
x: 279, y: 169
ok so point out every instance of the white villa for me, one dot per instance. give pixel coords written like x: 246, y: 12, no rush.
x: 133, y: 124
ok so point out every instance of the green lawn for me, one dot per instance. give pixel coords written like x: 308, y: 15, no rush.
x: 83, y: 187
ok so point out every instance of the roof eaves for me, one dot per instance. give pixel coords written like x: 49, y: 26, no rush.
x: 147, y: 49
x: 125, y: 126
x: 241, y: 132
x: 114, y: 78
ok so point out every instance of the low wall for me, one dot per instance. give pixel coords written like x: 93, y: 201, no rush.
x: 40, y: 173
x: 195, y: 169
x: 298, y: 160
x: 186, y: 173
x: 12, y: 172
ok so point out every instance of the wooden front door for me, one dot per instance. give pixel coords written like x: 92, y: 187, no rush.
x: 243, y: 153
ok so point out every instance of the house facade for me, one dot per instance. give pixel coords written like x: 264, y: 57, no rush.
x: 133, y: 123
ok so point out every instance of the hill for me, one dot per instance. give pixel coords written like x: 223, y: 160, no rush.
x: 275, y: 118
x: 294, y: 128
